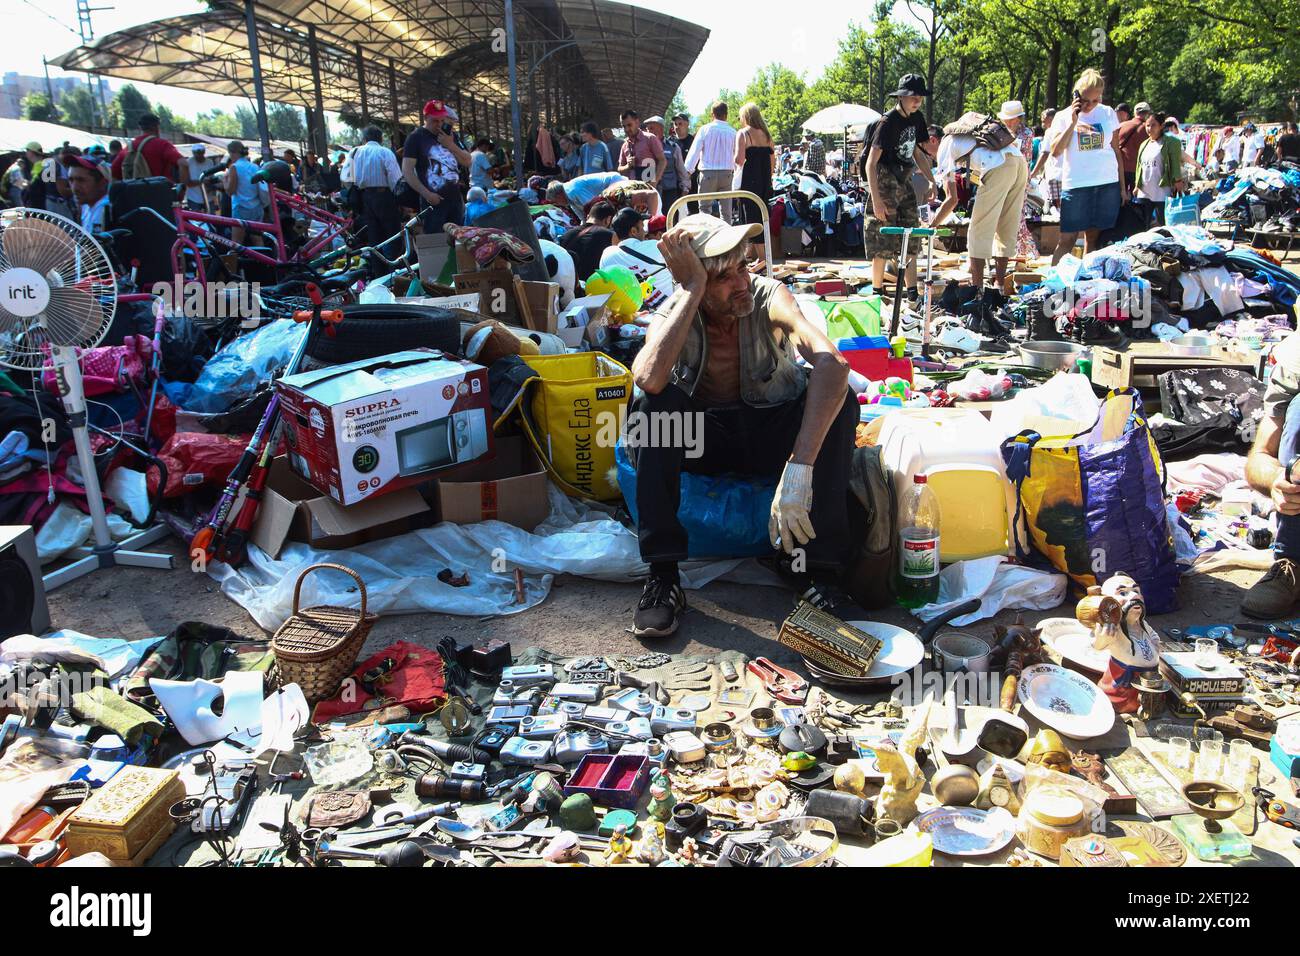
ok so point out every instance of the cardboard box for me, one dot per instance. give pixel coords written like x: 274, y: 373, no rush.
x: 293, y: 510
x: 496, y: 293
x: 539, y: 304
x: 573, y: 322
x: 512, y: 487
x: 431, y: 252
x: 371, y: 427
x: 1141, y: 362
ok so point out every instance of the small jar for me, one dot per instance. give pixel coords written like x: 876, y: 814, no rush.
x: 1049, y: 817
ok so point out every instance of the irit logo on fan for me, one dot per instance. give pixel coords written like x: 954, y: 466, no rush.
x: 24, y: 292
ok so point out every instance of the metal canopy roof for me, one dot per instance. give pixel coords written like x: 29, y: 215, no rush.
x: 598, y: 55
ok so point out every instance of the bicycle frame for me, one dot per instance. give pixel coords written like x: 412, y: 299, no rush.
x: 190, y: 226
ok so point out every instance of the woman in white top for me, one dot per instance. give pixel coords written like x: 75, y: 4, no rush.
x: 1083, y: 139
x: 1159, y: 170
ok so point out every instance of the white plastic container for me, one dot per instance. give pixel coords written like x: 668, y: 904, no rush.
x: 958, y: 452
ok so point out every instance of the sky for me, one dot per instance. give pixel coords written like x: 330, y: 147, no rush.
x: 739, y: 43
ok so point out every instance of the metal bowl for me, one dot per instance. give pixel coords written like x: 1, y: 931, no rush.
x: 1052, y: 356
x: 1192, y: 344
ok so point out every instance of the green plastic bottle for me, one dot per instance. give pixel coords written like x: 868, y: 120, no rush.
x: 917, y: 580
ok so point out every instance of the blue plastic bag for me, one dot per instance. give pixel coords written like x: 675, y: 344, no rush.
x: 235, y: 372
x: 1182, y: 211
x: 725, y: 516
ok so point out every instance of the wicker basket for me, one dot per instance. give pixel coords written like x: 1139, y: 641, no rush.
x: 318, y: 646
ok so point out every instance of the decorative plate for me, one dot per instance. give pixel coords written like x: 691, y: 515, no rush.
x: 1073, y: 641
x: 1165, y: 843
x: 966, y: 831
x: 1066, y: 701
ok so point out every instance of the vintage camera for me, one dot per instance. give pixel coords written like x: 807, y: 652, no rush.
x: 465, y: 770
x: 638, y: 727
x: 508, y: 692
x: 633, y: 701
x: 572, y: 746
x: 664, y: 720
x: 586, y: 693
x: 490, y: 657
x: 684, y: 746
x: 602, y: 715
x: 509, y: 713
x: 529, y: 675
x: 544, y: 727
x: 652, y: 749
x: 495, y: 737
x: 687, y: 820
x: 524, y: 752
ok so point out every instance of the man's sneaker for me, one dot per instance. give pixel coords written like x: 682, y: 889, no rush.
x: 1276, y: 593
x: 834, y: 600
x: 660, y: 608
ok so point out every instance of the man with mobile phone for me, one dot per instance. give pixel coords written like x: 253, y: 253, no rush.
x: 431, y: 161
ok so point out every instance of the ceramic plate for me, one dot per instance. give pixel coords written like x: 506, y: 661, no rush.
x: 900, y: 651
x: 965, y: 831
x: 1073, y: 641
x: 1065, y: 701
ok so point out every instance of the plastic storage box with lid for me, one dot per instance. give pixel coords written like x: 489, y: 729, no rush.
x: 957, y: 451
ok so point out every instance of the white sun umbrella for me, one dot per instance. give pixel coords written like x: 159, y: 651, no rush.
x: 835, y: 119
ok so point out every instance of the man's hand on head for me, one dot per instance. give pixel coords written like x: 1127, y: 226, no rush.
x: 686, y: 268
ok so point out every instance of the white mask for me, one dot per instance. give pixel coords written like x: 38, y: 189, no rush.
x: 189, y: 704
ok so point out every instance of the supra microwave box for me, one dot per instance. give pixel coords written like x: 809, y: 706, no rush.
x: 512, y: 487
x: 293, y: 510
x: 371, y: 427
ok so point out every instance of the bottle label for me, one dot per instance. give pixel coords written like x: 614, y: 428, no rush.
x: 919, y: 558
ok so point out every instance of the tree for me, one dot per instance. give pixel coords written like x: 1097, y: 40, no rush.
x: 37, y: 106
x: 782, y: 97
x: 678, y: 105
x: 169, y: 121
x: 218, y: 123
x: 129, y: 105
x: 247, y: 120
x: 78, y: 107
x: 286, y: 122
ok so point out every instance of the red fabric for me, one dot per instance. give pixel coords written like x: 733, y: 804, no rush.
x: 416, y: 681
x: 160, y: 154
x: 163, y: 424
x: 196, y: 460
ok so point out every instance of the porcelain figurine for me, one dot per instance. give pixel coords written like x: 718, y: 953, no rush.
x: 1117, y: 615
x: 662, y: 799
x: 620, y: 846
x: 689, y: 854
x: 651, y: 849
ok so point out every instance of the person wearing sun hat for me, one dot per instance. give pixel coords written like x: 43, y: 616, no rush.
x: 1012, y: 116
x: 722, y: 354
x: 431, y: 158
x: 893, y: 153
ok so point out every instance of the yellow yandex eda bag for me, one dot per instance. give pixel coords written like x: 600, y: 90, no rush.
x: 572, y: 411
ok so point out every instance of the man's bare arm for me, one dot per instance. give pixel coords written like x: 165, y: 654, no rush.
x: 827, y: 384
x: 652, y: 369
x: 1266, y: 473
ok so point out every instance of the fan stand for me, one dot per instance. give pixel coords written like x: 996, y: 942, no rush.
x: 105, y: 553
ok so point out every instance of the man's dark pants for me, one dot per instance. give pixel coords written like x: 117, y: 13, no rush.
x: 1287, y: 544
x: 451, y: 209
x: 747, y: 441
x: 378, y: 214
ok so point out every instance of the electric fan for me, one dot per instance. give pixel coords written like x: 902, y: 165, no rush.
x: 58, y: 292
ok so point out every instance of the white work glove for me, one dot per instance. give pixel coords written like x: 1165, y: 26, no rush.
x: 789, y: 518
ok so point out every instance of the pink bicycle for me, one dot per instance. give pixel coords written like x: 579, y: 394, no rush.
x: 197, y: 238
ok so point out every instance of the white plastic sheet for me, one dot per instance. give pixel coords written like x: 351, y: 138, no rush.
x: 1063, y: 405
x: 401, y: 573
x: 998, y: 585
x: 68, y: 528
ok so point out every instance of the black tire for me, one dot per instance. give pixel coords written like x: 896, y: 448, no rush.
x: 369, y: 331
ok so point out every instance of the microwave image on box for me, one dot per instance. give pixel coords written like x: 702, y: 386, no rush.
x: 461, y: 436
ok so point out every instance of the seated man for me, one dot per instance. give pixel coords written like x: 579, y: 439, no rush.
x: 1277, y: 444
x: 721, y: 352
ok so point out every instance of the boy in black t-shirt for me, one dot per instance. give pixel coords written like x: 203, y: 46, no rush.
x: 894, y: 149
